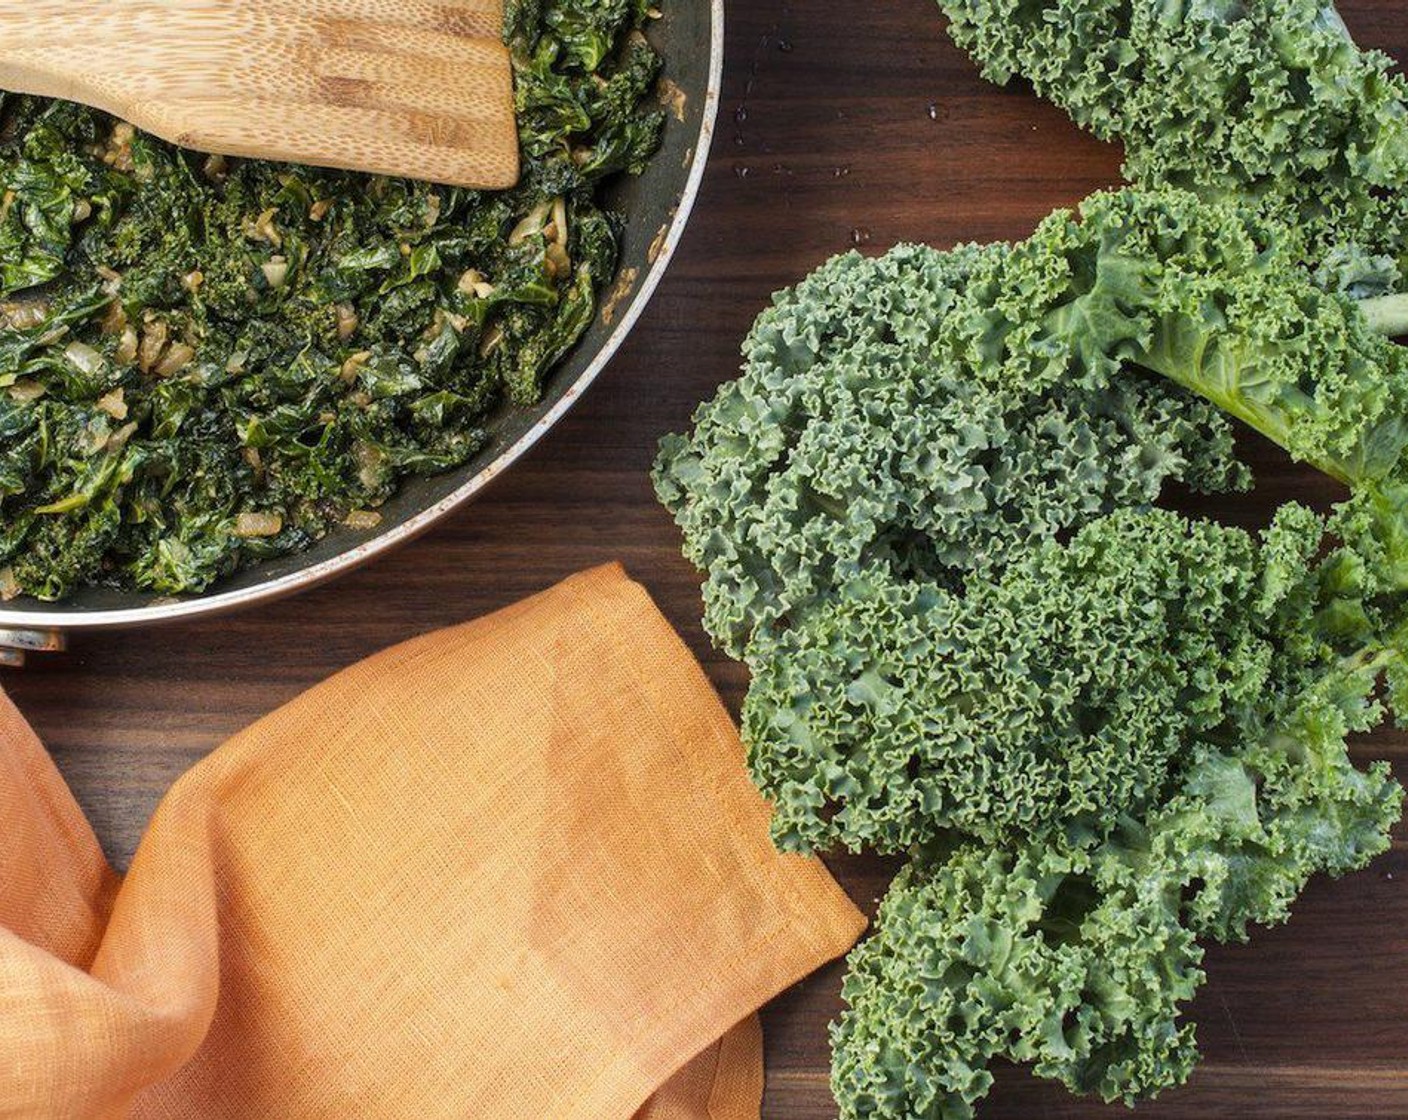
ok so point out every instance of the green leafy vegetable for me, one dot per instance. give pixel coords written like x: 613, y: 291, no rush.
x: 1123, y: 745
x: 206, y: 362
x: 1068, y: 690
x: 1101, y: 732
x: 1267, y: 101
x: 1077, y: 951
x: 927, y: 412
x: 1211, y: 297
x: 872, y: 429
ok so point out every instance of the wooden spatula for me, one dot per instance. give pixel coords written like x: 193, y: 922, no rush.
x: 401, y: 87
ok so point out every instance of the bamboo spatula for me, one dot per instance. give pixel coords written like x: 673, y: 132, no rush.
x: 400, y: 87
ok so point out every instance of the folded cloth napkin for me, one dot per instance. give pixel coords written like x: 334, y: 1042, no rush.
x: 512, y: 869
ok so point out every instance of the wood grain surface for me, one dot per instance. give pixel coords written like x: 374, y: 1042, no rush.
x: 842, y: 124
x: 397, y: 87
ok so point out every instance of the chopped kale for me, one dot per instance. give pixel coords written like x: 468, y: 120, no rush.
x: 206, y: 362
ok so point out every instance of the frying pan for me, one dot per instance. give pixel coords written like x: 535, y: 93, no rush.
x: 656, y: 205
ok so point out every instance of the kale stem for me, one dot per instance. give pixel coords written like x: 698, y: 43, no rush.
x: 1387, y: 314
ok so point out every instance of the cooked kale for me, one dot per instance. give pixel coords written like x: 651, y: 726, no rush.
x: 207, y: 362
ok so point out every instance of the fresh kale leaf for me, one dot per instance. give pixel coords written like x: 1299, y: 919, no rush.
x: 907, y: 414
x: 1100, y: 731
x: 1071, y: 689
x: 1266, y: 101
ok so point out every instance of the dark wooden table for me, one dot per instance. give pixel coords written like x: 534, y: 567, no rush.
x: 842, y: 124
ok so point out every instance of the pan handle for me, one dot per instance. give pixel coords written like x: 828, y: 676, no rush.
x: 15, y: 644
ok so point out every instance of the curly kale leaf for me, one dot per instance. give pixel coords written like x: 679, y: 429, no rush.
x: 1212, y: 297
x: 927, y: 412
x: 1025, y: 955
x: 891, y: 415
x: 207, y: 362
x: 1076, y: 951
x: 1268, y: 100
x: 1070, y: 687
x: 1217, y: 303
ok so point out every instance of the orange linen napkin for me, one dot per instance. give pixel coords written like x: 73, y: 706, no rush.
x: 513, y: 869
